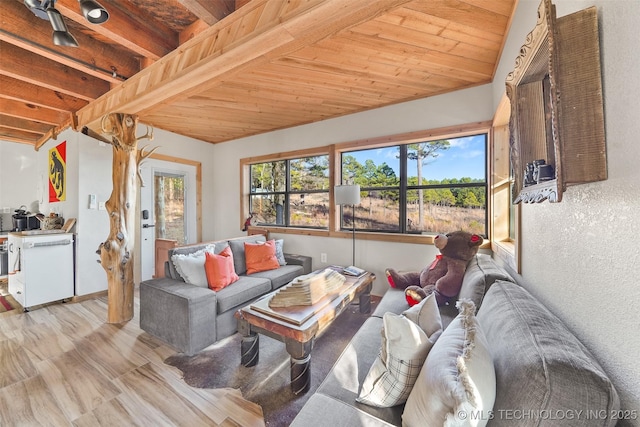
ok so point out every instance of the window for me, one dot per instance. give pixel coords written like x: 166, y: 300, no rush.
x: 291, y: 193
x: 505, y: 216
x: 421, y: 187
x: 169, y: 195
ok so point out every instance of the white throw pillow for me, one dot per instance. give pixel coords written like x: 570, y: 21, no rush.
x: 191, y: 267
x: 426, y: 314
x: 457, y: 384
x: 405, y: 346
x: 280, y: 252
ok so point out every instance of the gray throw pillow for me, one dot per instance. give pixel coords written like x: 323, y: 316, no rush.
x: 237, y: 247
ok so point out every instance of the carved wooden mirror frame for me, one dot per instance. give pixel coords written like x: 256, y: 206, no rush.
x: 532, y: 90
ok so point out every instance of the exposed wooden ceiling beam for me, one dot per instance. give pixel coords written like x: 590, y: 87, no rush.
x: 91, y: 56
x: 21, y: 64
x: 32, y: 112
x: 37, y: 95
x: 9, y: 134
x: 284, y: 27
x: 52, y: 134
x: 24, y: 125
x: 147, y: 39
x: 210, y: 11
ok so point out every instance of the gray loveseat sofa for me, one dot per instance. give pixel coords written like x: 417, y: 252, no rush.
x: 190, y: 318
x: 543, y: 373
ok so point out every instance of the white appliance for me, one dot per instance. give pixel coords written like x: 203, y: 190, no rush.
x: 41, y: 267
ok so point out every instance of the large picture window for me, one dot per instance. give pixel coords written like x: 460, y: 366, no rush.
x: 412, y: 186
x: 423, y: 187
x: 292, y: 193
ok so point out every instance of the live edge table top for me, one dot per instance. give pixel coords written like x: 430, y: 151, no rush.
x: 323, y: 312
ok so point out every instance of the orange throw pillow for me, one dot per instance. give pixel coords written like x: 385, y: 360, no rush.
x: 261, y: 256
x: 219, y: 269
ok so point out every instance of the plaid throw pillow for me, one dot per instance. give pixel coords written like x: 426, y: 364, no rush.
x: 405, y: 345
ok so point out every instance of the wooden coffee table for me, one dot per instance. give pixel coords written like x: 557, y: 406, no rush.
x: 298, y: 326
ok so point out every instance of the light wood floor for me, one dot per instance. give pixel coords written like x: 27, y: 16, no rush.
x: 63, y: 365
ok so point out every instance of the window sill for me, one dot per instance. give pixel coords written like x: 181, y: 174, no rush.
x: 361, y: 235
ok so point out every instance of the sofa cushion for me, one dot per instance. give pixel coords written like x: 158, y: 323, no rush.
x: 393, y: 301
x: 237, y: 247
x: 348, y: 373
x: 406, y: 341
x: 481, y: 273
x: 457, y: 377
x: 540, y: 365
x: 280, y: 276
x: 241, y: 292
x: 219, y: 269
x: 260, y: 256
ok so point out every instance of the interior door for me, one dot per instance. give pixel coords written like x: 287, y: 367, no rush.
x: 168, y: 208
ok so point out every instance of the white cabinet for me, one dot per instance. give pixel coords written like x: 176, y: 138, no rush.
x: 41, y: 267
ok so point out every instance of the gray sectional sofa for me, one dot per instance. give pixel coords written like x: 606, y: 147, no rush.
x: 543, y: 373
x: 190, y: 318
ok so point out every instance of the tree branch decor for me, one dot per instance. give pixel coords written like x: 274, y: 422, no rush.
x: 117, y: 252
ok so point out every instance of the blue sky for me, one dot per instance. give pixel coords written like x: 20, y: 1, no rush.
x: 464, y: 158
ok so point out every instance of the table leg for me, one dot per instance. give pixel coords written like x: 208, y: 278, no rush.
x: 300, y: 365
x: 249, y: 346
x: 365, y: 300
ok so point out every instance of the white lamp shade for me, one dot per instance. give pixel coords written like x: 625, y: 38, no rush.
x: 347, y: 194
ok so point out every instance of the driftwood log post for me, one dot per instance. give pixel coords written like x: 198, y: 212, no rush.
x: 117, y: 252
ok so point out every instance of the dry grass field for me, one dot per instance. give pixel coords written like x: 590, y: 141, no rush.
x: 383, y: 215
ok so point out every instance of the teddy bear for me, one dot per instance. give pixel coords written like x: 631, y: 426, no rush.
x: 444, y: 275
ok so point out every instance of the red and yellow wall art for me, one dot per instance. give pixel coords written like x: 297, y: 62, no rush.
x: 58, y: 173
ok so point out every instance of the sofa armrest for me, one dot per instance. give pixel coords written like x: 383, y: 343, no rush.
x: 180, y: 314
x: 304, y: 261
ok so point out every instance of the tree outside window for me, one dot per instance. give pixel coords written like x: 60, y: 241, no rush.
x: 426, y: 187
x: 292, y: 193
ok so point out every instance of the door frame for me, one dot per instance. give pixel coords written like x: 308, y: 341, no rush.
x: 198, y: 187
x: 198, y: 167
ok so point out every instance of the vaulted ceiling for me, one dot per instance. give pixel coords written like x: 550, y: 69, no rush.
x: 217, y: 70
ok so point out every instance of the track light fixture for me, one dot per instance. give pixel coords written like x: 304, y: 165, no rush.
x: 45, y: 9
x: 61, y: 34
x: 93, y: 11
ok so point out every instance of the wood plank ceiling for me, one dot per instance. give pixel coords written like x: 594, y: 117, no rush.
x: 218, y: 70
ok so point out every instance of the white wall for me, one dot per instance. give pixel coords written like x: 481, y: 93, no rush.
x: 581, y: 256
x: 471, y: 105
x: 18, y: 178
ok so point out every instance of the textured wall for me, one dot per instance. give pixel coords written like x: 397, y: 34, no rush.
x: 581, y: 256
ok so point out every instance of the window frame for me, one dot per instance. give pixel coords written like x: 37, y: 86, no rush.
x: 334, y: 151
x: 404, y: 187
x: 289, y: 191
x: 504, y: 244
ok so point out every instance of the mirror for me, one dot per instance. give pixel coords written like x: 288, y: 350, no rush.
x: 557, y: 133
x: 532, y: 90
